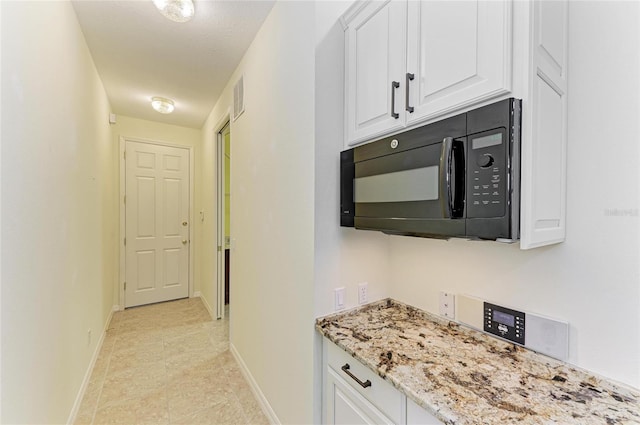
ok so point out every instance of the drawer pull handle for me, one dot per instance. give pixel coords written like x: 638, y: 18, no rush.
x: 364, y: 384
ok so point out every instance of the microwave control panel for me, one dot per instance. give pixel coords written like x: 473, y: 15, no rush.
x: 486, y: 169
x: 504, y: 322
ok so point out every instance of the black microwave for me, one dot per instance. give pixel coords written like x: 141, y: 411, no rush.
x: 458, y: 177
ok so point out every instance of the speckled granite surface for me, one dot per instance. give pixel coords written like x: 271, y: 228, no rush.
x: 466, y: 377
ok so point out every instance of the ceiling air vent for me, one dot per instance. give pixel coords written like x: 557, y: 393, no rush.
x: 238, y: 98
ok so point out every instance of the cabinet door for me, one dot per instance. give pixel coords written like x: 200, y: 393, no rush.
x: 344, y: 406
x: 375, y: 59
x: 544, y: 130
x: 459, y: 53
x: 416, y: 415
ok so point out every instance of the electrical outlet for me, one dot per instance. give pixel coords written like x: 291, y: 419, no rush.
x: 363, y: 288
x: 339, y: 298
x: 448, y: 305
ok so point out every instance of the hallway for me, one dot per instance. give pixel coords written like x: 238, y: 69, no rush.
x: 168, y: 363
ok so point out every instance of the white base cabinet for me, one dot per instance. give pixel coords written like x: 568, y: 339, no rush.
x: 353, y: 394
x: 347, y: 407
x: 409, y: 63
x: 416, y: 415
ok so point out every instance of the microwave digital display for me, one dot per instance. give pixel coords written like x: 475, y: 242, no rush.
x: 486, y: 141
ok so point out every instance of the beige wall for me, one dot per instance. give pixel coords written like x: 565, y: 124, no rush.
x: 58, y: 188
x: 167, y: 133
x: 272, y: 210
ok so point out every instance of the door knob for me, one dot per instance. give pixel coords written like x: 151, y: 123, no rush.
x: 184, y: 223
x: 184, y: 242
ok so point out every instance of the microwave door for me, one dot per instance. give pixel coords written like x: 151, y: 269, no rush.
x: 402, y: 193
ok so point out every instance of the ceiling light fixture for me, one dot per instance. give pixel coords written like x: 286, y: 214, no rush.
x: 162, y: 105
x: 176, y: 10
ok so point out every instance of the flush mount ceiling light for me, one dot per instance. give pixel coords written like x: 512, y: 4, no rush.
x: 162, y: 105
x: 176, y: 10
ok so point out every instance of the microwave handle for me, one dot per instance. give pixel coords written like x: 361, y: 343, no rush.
x: 446, y: 158
x: 452, y: 178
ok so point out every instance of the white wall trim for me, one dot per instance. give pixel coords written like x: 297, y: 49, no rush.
x: 122, y: 166
x: 255, y: 389
x: 89, y: 372
x: 206, y: 304
x: 121, y: 248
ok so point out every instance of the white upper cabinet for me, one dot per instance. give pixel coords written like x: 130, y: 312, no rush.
x: 375, y: 63
x: 407, y: 62
x: 458, y: 54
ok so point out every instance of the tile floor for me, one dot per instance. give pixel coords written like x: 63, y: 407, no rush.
x: 168, y: 363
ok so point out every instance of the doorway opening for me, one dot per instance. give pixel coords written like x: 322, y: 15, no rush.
x: 224, y: 218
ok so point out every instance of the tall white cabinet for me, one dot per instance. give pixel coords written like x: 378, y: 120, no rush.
x: 544, y: 130
x: 409, y: 63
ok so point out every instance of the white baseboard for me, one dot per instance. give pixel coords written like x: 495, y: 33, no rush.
x: 206, y: 305
x: 255, y: 389
x: 87, y: 375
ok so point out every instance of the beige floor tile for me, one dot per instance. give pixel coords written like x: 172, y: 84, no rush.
x: 194, y: 361
x: 254, y: 415
x: 144, y: 340
x: 168, y: 363
x: 127, y: 386
x: 226, y: 412
x: 185, y: 401
x: 150, y: 408
x: 198, y: 341
x: 135, y: 358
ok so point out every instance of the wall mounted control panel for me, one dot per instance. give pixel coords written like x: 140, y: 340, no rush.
x: 504, y: 322
x: 543, y: 334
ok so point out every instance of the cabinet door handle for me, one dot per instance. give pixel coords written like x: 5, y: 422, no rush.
x: 394, y: 86
x: 410, y: 77
x: 364, y: 384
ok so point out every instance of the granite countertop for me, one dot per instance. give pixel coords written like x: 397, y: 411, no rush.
x: 463, y: 376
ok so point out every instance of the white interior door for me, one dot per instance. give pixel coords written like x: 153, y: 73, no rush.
x: 157, y: 223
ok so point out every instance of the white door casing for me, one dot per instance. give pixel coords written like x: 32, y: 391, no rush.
x: 157, y: 223
x: 221, y: 184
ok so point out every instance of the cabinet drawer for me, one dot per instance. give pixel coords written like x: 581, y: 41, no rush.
x: 380, y: 393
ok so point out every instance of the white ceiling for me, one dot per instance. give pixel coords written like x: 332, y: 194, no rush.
x: 140, y: 54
